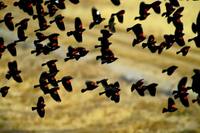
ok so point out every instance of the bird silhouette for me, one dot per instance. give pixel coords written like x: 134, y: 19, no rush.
x: 13, y: 72
x: 59, y: 22
x: 116, y: 2
x: 171, y: 106
x: 40, y: 107
x: 97, y: 19
x: 8, y: 21
x: 4, y: 91
x: 170, y: 70
x: 90, y: 85
x: 184, y: 50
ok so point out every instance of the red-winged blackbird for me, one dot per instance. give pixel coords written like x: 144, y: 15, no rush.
x: 169, y: 9
x: 152, y: 88
x: 116, y: 2
x: 23, y: 23
x: 40, y: 107
x: 52, y: 9
x: 97, y: 19
x: 66, y: 82
x: 181, y: 92
x: 137, y: 85
x: 21, y: 34
x: 170, y: 70
x: 171, y: 106
x: 77, y: 33
x: 39, y: 48
x: 107, y: 56
x: 150, y: 44
x: 2, y: 46
x: 119, y: 15
x: 58, y: 3
x: 13, y: 72
x: 143, y: 11
x: 2, y: 5
x: 54, y: 94
x: 137, y: 29
x: 169, y: 40
x: 184, y: 50
x: 4, y: 91
x: 43, y: 83
x: 25, y: 5
x: 90, y: 85
x: 8, y: 21
x: 59, y: 22
x: 111, y: 24
x: 179, y: 37
x: 52, y: 66
x: 196, y: 27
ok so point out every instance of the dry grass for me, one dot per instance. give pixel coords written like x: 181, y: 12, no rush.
x: 88, y: 112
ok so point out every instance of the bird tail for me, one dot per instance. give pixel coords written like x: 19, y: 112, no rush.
x: 51, y: 21
x: 34, y: 108
x: 69, y: 33
x: 163, y: 71
x: 83, y: 90
x: 178, y: 52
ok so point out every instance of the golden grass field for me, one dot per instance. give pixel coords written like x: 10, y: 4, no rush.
x: 83, y: 113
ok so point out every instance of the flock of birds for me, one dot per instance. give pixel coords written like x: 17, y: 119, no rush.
x: 48, y: 83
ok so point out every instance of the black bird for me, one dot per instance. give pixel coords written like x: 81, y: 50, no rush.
x: 97, y: 19
x: 90, y: 85
x: 4, y: 91
x: 76, y: 53
x: 150, y: 44
x: 170, y: 70
x: 52, y: 79
x: 119, y: 15
x: 156, y: 6
x: 143, y: 11
x: 52, y: 9
x: 74, y: 1
x: 107, y: 56
x: 77, y: 33
x: 174, y: 3
x: 196, y: 27
x: 8, y: 21
x: 137, y: 85
x: 40, y: 36
x: 23, y: 23
x: 26, y: 6
x: 54, y: 94
x: 197, y: 99
x: 13, y: 72
x: 181, y: 92
x: 58, y: 3
x: 169, y: 9
x: 12, y: 49
x: 52, y: 66
x: 184, y: 50
x: 169, y: 40
x: 42, y: 24
x: 137, y: 29
x: 196, y: 40
x: 43, y: 83
x: 116, y: 2
x: 39, y: 48
x: 195, y: 81
x: 171, y: 106
x: 66, y: 82
x: 2, y: 46
x: 152, y: 88
x: 59, y: 22
x: 40, y: 107
x: 111, y: 24
x: 179, y: 37
x: 21, y: 34
x: 2, y: 5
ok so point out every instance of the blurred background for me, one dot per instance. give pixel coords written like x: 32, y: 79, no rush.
x: 89, y: 112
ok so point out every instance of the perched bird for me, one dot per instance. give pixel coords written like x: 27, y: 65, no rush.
x: 77, y: 33
x: 170, y: 70
x: 97, y: 19
x: 171, y: 106
x: 8, y: 21
x: 181, y: 92
x: 4, y: 91
x: 59, y: 22
x: 116, y: 2
x: 184, y: 50
x: 40, y: 107
x: 90, y: 85
x: 137, y: 29
x: 13, y: 72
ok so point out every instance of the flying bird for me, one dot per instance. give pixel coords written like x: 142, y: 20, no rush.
x: 171, y: 106
x: 90, y: 85
x: 97, y: 19
x: 4, y: 91
x: 40, y: 107
x: 59, y: 22
x: 170, y: 70
x: 8, y: 21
